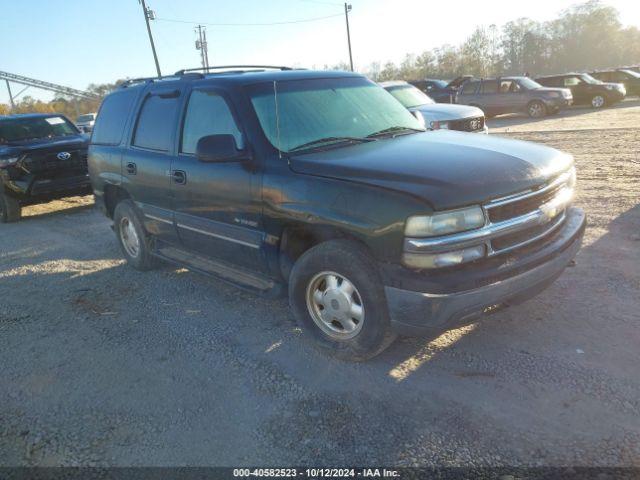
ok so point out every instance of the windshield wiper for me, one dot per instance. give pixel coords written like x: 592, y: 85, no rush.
x: 393, y: 130
x: 329, y: 141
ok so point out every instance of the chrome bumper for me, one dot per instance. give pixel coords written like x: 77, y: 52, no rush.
x: 419, y: 313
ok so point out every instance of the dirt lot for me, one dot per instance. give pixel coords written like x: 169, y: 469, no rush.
x: 105, y: 365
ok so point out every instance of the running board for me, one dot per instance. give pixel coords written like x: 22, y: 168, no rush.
x: 229, y: 273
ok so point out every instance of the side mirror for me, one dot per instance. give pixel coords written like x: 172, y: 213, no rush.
x: 219, y: 148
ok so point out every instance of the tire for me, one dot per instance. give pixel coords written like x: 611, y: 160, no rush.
x: 536, y: 109
x: 134, y: 241
x: 10, y: 210
x: 348, y: 336
x: 598, y: 101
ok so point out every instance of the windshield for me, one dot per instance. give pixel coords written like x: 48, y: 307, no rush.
x: 300, y: 112
x: 631, y: 73
x: 19, y: 129
x: 529, y: 84
x: 440, y: 83
x: 586, y: 78
x: 85, y: 118
x: 410, y: 96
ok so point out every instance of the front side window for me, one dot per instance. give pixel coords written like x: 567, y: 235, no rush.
x: 207, y: 114
x: 156, y: 123
x: 31, y: 128
x: 296, y: 113
x: 571, y: 81
x: 528, y: 84
x: 410, y: 96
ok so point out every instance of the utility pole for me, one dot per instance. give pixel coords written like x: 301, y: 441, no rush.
x: 149, y: 15
x: 206, y: 47
x: 347, y: 9
x: 201, y: 44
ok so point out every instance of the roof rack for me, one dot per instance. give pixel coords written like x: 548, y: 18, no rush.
x: 195, y: 73
x: 229, y: 67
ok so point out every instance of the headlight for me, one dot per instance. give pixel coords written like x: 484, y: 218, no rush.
x: 436, y: 125
x: 609, y: 87
x: 5, y: 162
x: 445, y: 259
x: 445, y: 223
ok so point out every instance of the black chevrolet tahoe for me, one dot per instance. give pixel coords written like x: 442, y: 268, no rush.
x: 42, y: 157
x: 585, y: 89
x: 324, y: 184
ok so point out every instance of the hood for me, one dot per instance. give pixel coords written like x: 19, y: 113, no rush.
x: 447, y: 169
x: 71, y: 142
x: 448, y: 111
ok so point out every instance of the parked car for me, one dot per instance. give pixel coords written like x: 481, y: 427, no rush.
x: 442, y: 91
x: 629, y: 78
x: 585, y: 89
x: 42, y: 157
x: 321, y: 183
x: 496, y: 96
x: 86, y: 122
x: 437, y: 116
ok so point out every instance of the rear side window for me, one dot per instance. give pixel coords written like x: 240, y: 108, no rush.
x: 207, y: 114
x: 155, y: 126
x: 112, y: 117
x: 469, y: 88
x: 490, y: 86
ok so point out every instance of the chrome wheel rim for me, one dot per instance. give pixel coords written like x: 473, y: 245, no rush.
x: 535, y: 110
x: 129, y: 237
x: 597, y: 101
x: 335, y: 305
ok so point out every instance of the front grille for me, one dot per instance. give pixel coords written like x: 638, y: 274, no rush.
x: 526, y: 236
x: 468, y: 124
x: 48, y: 161
x: 522, y: 207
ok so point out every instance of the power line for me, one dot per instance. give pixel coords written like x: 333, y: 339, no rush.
x: 289, y: 22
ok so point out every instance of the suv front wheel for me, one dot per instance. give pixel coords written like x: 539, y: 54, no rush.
x: 338, y: 299
x: 134, y: 240
x: 10, y: 210
x: 598, y: 101
x: 536, y: 109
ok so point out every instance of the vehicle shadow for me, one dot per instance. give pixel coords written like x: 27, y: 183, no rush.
x: 107, y: 335
x: 65, y: 206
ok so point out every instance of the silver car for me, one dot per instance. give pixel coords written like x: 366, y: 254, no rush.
x: 85, y: 122
x: 437, y: 115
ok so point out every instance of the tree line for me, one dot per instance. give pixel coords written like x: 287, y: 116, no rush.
x: 584, y: 37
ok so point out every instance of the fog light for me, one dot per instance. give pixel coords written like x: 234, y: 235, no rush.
x: 444, y: 259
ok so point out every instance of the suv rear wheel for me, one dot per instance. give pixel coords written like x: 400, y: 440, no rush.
x: 536, y: 109
x: 338, y: 299
x: 10, y: 210
x: 598, y: 101
x: 134, y: 240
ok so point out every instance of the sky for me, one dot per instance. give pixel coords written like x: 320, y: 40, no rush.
x: 75, y: 43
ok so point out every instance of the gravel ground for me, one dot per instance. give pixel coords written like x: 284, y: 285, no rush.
x: 103, y: 365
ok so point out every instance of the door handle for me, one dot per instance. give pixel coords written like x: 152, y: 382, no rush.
x: 132, y: 169
x: 179, y: 177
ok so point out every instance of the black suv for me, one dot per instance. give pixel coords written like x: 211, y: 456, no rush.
x: 323, y: 182
x: 585, y: 89
x: 629, y: 78
x: 42, y: 157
